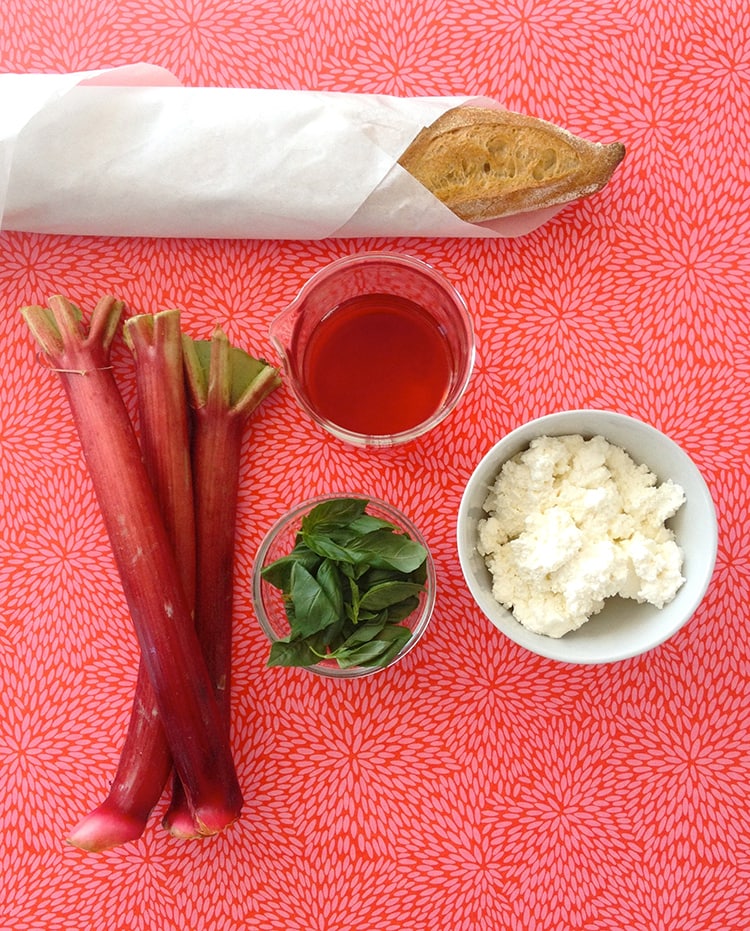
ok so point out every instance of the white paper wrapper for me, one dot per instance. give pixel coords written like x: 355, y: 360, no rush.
x: 130, y: 152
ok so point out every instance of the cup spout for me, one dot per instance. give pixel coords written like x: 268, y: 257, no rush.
x: 281, y: 329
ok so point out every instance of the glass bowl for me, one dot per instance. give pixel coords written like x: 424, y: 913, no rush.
x: 390, y: 286
x: 269, y: 603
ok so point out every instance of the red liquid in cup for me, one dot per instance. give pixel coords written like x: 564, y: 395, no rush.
x: 377, y: 365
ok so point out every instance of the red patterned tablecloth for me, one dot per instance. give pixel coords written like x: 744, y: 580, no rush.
x: 473, y: 786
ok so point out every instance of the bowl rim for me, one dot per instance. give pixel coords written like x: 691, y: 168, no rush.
x: 554, y: 424
x: 398, y: 517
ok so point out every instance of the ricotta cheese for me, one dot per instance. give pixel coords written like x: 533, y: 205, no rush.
x: 572, y: 522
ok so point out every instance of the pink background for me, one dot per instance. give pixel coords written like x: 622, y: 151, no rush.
x: 474, y: 786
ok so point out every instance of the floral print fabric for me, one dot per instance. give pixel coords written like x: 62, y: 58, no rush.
x: 473, y: 786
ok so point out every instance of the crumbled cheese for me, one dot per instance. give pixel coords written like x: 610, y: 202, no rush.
x: 572, y: 522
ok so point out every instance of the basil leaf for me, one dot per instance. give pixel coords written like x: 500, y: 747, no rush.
x: 403, y: 609
x: 278, y: 573
x: 378, y: 652
x: 328, y: 578
x: 396, y: 632
x: 331, y: 637
x: 367, y: 523
x: 351, y: 601
x: 365, y: 632
x: 419, y: 574
x: 386, y: 594
x: 363, y: 655
x: 374, y: 576
x: 326, y: 545
x: 383, y: 548
x: 399, y: 637
x: 337, y: 512
x: 313, y: 609
x: 291, y: 653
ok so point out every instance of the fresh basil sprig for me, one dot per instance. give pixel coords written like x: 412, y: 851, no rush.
x: 348, y: 583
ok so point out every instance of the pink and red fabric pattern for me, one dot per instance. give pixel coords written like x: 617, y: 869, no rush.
x: 474, y: 786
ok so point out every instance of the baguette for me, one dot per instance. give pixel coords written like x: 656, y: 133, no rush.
x: 484, y: 164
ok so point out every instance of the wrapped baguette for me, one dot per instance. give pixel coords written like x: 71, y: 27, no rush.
x: 486, y: 163
x: 129, y: 151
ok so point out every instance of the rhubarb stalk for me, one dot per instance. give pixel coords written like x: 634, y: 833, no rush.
x: 225, y: 386
x: 189, y: 712
x: 145, y: 761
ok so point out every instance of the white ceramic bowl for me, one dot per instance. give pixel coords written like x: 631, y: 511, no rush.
x: 623, y: 628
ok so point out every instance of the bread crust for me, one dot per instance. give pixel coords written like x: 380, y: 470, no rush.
x: 484, y: 164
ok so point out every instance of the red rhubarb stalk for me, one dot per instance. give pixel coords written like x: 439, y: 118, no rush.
x: 225, y: 386
x: 194, y: 726
x: 145, y: 761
